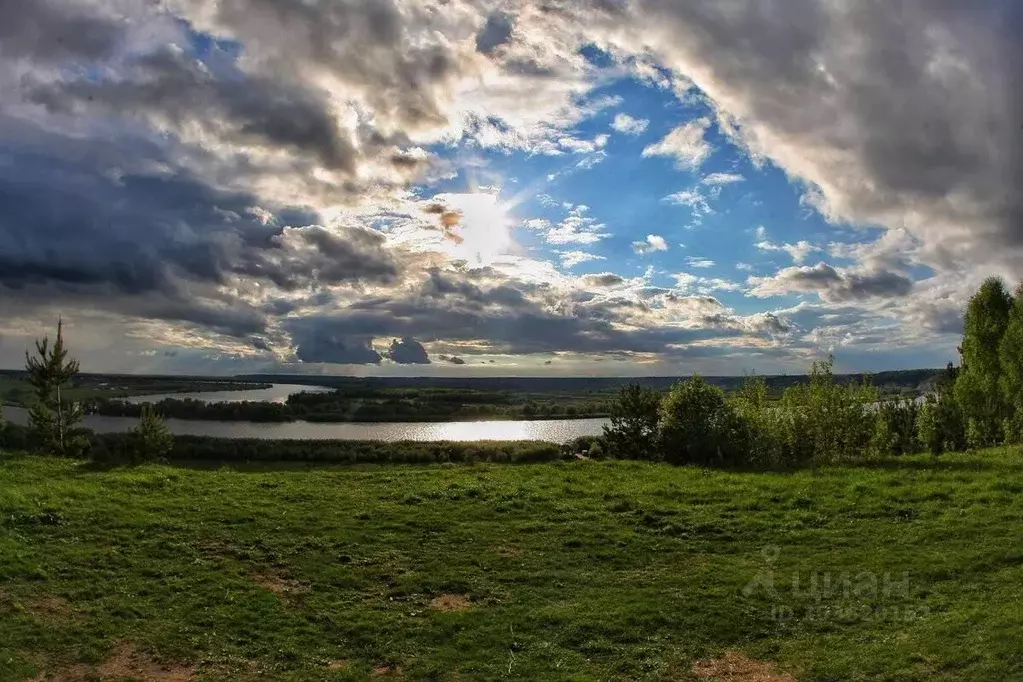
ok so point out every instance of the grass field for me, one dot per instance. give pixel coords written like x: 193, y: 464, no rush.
x: 563, y: 571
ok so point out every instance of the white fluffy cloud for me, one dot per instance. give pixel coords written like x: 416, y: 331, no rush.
x: 628, y: 125
x: 686, y: 144
x: 651, y: 244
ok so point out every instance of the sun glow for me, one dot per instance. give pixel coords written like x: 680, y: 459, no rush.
x: 479, y: 227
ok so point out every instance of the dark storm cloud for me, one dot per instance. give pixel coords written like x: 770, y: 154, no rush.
x: 408, y: 351
x: 82, y: 221
x: 452, y: 359
x: 495, y: 32
x: 833, y: 284
x: 316, y: 343
x: 48, y: 31
x: 169, y: 86
x: 442, y: 285
x: 303, y: 257
x: 450, y: 306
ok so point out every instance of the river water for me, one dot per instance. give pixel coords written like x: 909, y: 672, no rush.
x: 278, y: 393
x: 554, y: 430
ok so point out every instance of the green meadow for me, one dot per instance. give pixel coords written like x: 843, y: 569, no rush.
x: 902, y: 569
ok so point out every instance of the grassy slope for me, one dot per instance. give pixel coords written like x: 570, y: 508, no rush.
x: 575, y: 571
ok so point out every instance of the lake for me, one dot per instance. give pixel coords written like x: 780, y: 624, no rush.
x: 554, y: 430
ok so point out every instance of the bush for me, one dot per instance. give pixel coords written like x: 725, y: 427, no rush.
x: 579, y: 444
x: 633, y: 430
x: 895, y: 427
x: 940, y: 426
x: 929, y: 431
x: 825, y: 421
x: 763, y: 423
x: 1012, y: 428
x: 153, y: 440
x: 697, y: 426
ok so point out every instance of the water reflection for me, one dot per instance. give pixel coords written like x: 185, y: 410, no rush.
x: 554, y: 430
x: 278, y: 393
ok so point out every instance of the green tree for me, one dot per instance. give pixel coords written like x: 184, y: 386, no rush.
x: 697, y: 426
x: 826, y: 420
x: 929, y: 428
x: 52, y: 419
x: 764, y: 423
x: 978, y: 387
x: 153, y: 440
x: 633, y: 428
x: 1010, y: 357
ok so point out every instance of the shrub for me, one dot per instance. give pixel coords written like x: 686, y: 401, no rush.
x: 826, y: 421
x: 895, y: 427
x: 153, y: 440
x: 632, y: 432
x: 763, y: 422
x: 929, y: 431
x: 697, y: 426
x: 940, y: 424
x: 1012, y: 428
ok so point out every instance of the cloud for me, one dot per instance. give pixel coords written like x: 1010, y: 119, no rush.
x: 686, y: 144
x: 231, y: 179
x: 694, y: 305
x: 578, y: 228
x: 692, y: 199
x: 452, y: 359
x: 652, y: 243
x: 170, y: 89
x: 696, y: 262
x: 705, y: 285
x: 408, y: 351
x: 900, y: 119
x: 718, y: 179
x: 604, y: 279
x: 497, y: 31
x: 628, y: 125
x: 51, y: 31
x: 320, y: 343
x: 798, y: 251
x: 570, y: 259
x: 832, y: 284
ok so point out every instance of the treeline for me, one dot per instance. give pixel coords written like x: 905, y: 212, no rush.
x: 978, y: 404
x: 366, y: 405
x: 577, y: 388
x: 16, y: 388
x: 190, y: 408
x: 819, y: 422
x: 132, y: 448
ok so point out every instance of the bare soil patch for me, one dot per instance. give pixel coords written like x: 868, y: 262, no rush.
x: 387, y: 671
x: 279, y: 585
x: 450, y: 602
x: 735, y: 667
x: 51, y: 607
x: 124, y: 663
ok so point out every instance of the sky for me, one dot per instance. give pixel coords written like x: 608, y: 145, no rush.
x: 498, y: 187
